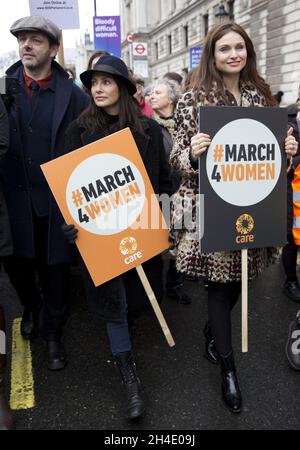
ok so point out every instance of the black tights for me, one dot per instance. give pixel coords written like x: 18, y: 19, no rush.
x: 221, y: 299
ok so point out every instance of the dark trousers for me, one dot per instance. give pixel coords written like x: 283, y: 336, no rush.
x: 34, y: 280
x: 221, y: 299
x: 289, y: 259
x: 118, y: 335
x: 118, y: 332
x: 174, y: 278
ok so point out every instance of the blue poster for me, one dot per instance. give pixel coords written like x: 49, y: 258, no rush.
x: 195, y: 56
x: 107, y: 34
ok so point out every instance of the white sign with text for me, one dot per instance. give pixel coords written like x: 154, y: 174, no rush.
x: 64, y: 13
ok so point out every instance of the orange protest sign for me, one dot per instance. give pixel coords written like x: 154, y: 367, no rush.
x: 104, y: 190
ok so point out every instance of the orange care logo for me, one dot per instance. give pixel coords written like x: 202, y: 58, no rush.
x: 128, y: 248
x: 244, y: 226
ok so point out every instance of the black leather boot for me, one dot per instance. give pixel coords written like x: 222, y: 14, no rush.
x: 292, y: 290
x: 230, y: 387
x: 135, y: 405
x: 210, y: 349
x: 6, y: 417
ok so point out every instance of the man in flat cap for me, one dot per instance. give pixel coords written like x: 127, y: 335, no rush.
x: 48, y: 102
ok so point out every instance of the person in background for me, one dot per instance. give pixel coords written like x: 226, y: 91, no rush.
x: 147, y: 93
x: 71, y: 73
x: 163, y: 99
x: 140, y: 84
x: 47, y: 103
x: 112, y: 109
x: 92, y: 61
x: 292, y: 348
x: 290, y: 251
x: 227, y: 75
x: 6, y: 417
x: 95, y: 58
x: 188, y: 83
x: 278, y: 97
x: 72, y: 76
x: 174, y: 76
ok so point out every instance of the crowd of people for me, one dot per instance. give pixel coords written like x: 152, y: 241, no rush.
x: 51, y: 116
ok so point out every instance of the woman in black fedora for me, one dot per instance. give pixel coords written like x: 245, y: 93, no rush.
x: 112, y: 108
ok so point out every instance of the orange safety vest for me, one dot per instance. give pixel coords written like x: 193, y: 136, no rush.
x: 296, y: 205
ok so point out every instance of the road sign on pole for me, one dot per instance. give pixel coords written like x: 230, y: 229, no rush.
x: 129, y: 38
x: 139, y: 49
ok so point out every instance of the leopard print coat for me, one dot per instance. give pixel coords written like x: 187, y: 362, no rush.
x: 224, y: 266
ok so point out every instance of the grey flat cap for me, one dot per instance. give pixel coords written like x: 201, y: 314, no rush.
x: 37, y: 23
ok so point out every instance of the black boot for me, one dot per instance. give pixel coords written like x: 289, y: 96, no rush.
x: 127, y: 367
x: 292, y: 290
x: 6, y: 418
x: 230, y: 387
x: 210, y: 349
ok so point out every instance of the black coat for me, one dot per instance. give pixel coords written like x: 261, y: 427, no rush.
x: 69, y: 102
x: 5, y: 235
x: 106, y: 300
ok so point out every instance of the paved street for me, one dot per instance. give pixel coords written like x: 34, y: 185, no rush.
x: 182, y: 389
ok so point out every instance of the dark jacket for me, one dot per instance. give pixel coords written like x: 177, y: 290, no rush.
x: 69, y: 102
x: 107, y: 300
x: 5, y: 235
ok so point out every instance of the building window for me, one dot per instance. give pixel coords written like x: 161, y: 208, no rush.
x: 176, y: 37
x: 156, y: 50
x: 170, y: 43
x: 186, y: 35
x: 205, y: 24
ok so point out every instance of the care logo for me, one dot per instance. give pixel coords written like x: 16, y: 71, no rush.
x: 129, y: 248
x: 244, y: 226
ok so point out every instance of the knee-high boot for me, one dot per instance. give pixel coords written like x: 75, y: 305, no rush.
x: 230, y: 388
x: 126, y: 365
x: 6, y: 418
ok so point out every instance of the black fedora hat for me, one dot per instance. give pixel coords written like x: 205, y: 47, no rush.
x: 112, y: 65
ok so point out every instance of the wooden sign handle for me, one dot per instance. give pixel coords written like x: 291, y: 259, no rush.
x: 245, y: 301
x: 155, y: 305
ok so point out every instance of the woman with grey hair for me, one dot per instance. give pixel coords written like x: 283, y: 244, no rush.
x: 163, y: 99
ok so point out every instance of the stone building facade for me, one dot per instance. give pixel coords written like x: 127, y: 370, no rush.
x: 172, y: 27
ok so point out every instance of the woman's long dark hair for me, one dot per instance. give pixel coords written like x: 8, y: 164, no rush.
x: 130, y: 115
x: 207, y: 74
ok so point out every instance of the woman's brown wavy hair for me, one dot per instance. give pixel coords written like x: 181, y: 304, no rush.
x: 207, y: 74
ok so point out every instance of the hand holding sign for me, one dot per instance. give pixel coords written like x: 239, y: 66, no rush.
x: 291, y: 145
x: 199, y: 144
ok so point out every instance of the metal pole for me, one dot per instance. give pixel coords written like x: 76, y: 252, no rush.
x: 131, y: 56
x: 95, y: 7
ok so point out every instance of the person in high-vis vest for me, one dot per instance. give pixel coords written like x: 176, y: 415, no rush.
x: 289, y: 252
x: 292, y: 349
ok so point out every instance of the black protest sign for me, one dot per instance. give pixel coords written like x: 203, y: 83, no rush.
x: 242, y: 178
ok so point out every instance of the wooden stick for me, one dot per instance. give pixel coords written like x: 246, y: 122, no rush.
x: 245, y: 301
x: 155, y: 305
